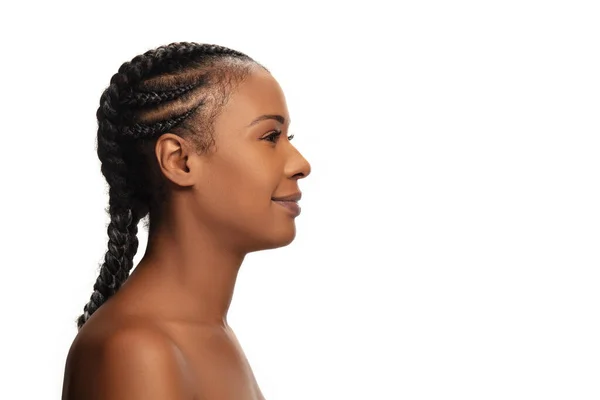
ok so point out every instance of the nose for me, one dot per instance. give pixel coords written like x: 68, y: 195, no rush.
x: 297, y: 166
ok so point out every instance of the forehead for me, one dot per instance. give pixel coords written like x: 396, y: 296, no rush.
x: 258, y: 94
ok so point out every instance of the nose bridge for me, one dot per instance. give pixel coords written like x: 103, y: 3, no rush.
x: 296, y: 165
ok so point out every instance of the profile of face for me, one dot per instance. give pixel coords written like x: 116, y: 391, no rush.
x: 253, y: 162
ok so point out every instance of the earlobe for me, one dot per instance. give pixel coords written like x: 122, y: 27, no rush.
x: 173, y: 157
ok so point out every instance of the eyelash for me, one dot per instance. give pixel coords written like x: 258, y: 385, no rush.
x: 275, y: 135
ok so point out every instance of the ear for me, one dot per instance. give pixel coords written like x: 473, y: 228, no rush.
x: 174, y: 156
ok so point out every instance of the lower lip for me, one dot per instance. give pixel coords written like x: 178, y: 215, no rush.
x: 291, y: 206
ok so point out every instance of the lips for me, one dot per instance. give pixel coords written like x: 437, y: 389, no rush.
x: 290, y: 206
x: 290, y: 197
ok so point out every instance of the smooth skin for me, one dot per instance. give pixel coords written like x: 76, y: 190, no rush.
x: 164, y: 334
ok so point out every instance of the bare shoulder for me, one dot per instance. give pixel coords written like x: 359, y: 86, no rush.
x: 131, y: 362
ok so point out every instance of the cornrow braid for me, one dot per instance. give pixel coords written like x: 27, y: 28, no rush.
x: 155, y: 92
x: 142, y: 99
x: 144, y: 130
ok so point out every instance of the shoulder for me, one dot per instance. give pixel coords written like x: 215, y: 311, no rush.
x: 135, y: 361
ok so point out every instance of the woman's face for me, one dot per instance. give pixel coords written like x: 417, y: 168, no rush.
x: 250, y: 166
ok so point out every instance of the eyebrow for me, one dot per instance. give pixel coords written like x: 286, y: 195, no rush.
x: 277, y: 118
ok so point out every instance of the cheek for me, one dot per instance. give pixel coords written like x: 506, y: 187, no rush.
x: 241, y: 186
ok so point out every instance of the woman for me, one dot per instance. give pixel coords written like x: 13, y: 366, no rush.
x: 189, y: 136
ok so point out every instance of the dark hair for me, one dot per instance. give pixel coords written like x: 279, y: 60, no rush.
x: 179, y: 88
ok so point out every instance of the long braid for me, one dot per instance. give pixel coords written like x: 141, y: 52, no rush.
x: 149, y: 83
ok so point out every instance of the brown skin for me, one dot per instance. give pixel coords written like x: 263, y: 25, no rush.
x: 164, y: 334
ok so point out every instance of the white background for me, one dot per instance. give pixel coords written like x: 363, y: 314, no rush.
x: 448, y: 246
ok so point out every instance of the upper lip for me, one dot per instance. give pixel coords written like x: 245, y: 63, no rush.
x: 290, y: 197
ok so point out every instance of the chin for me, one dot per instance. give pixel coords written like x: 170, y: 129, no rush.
x: 279, y: 238
x: 284, y: 238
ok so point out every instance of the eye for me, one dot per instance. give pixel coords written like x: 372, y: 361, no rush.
x: 275, y: 135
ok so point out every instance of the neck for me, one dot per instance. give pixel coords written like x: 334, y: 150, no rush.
x: 190, y: 270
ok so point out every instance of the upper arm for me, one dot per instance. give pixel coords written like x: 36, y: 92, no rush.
x: 138, y: 364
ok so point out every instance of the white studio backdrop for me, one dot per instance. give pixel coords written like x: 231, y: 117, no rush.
x: 448, y: 246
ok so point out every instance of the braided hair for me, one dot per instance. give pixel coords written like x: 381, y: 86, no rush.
x: 179, y: 88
